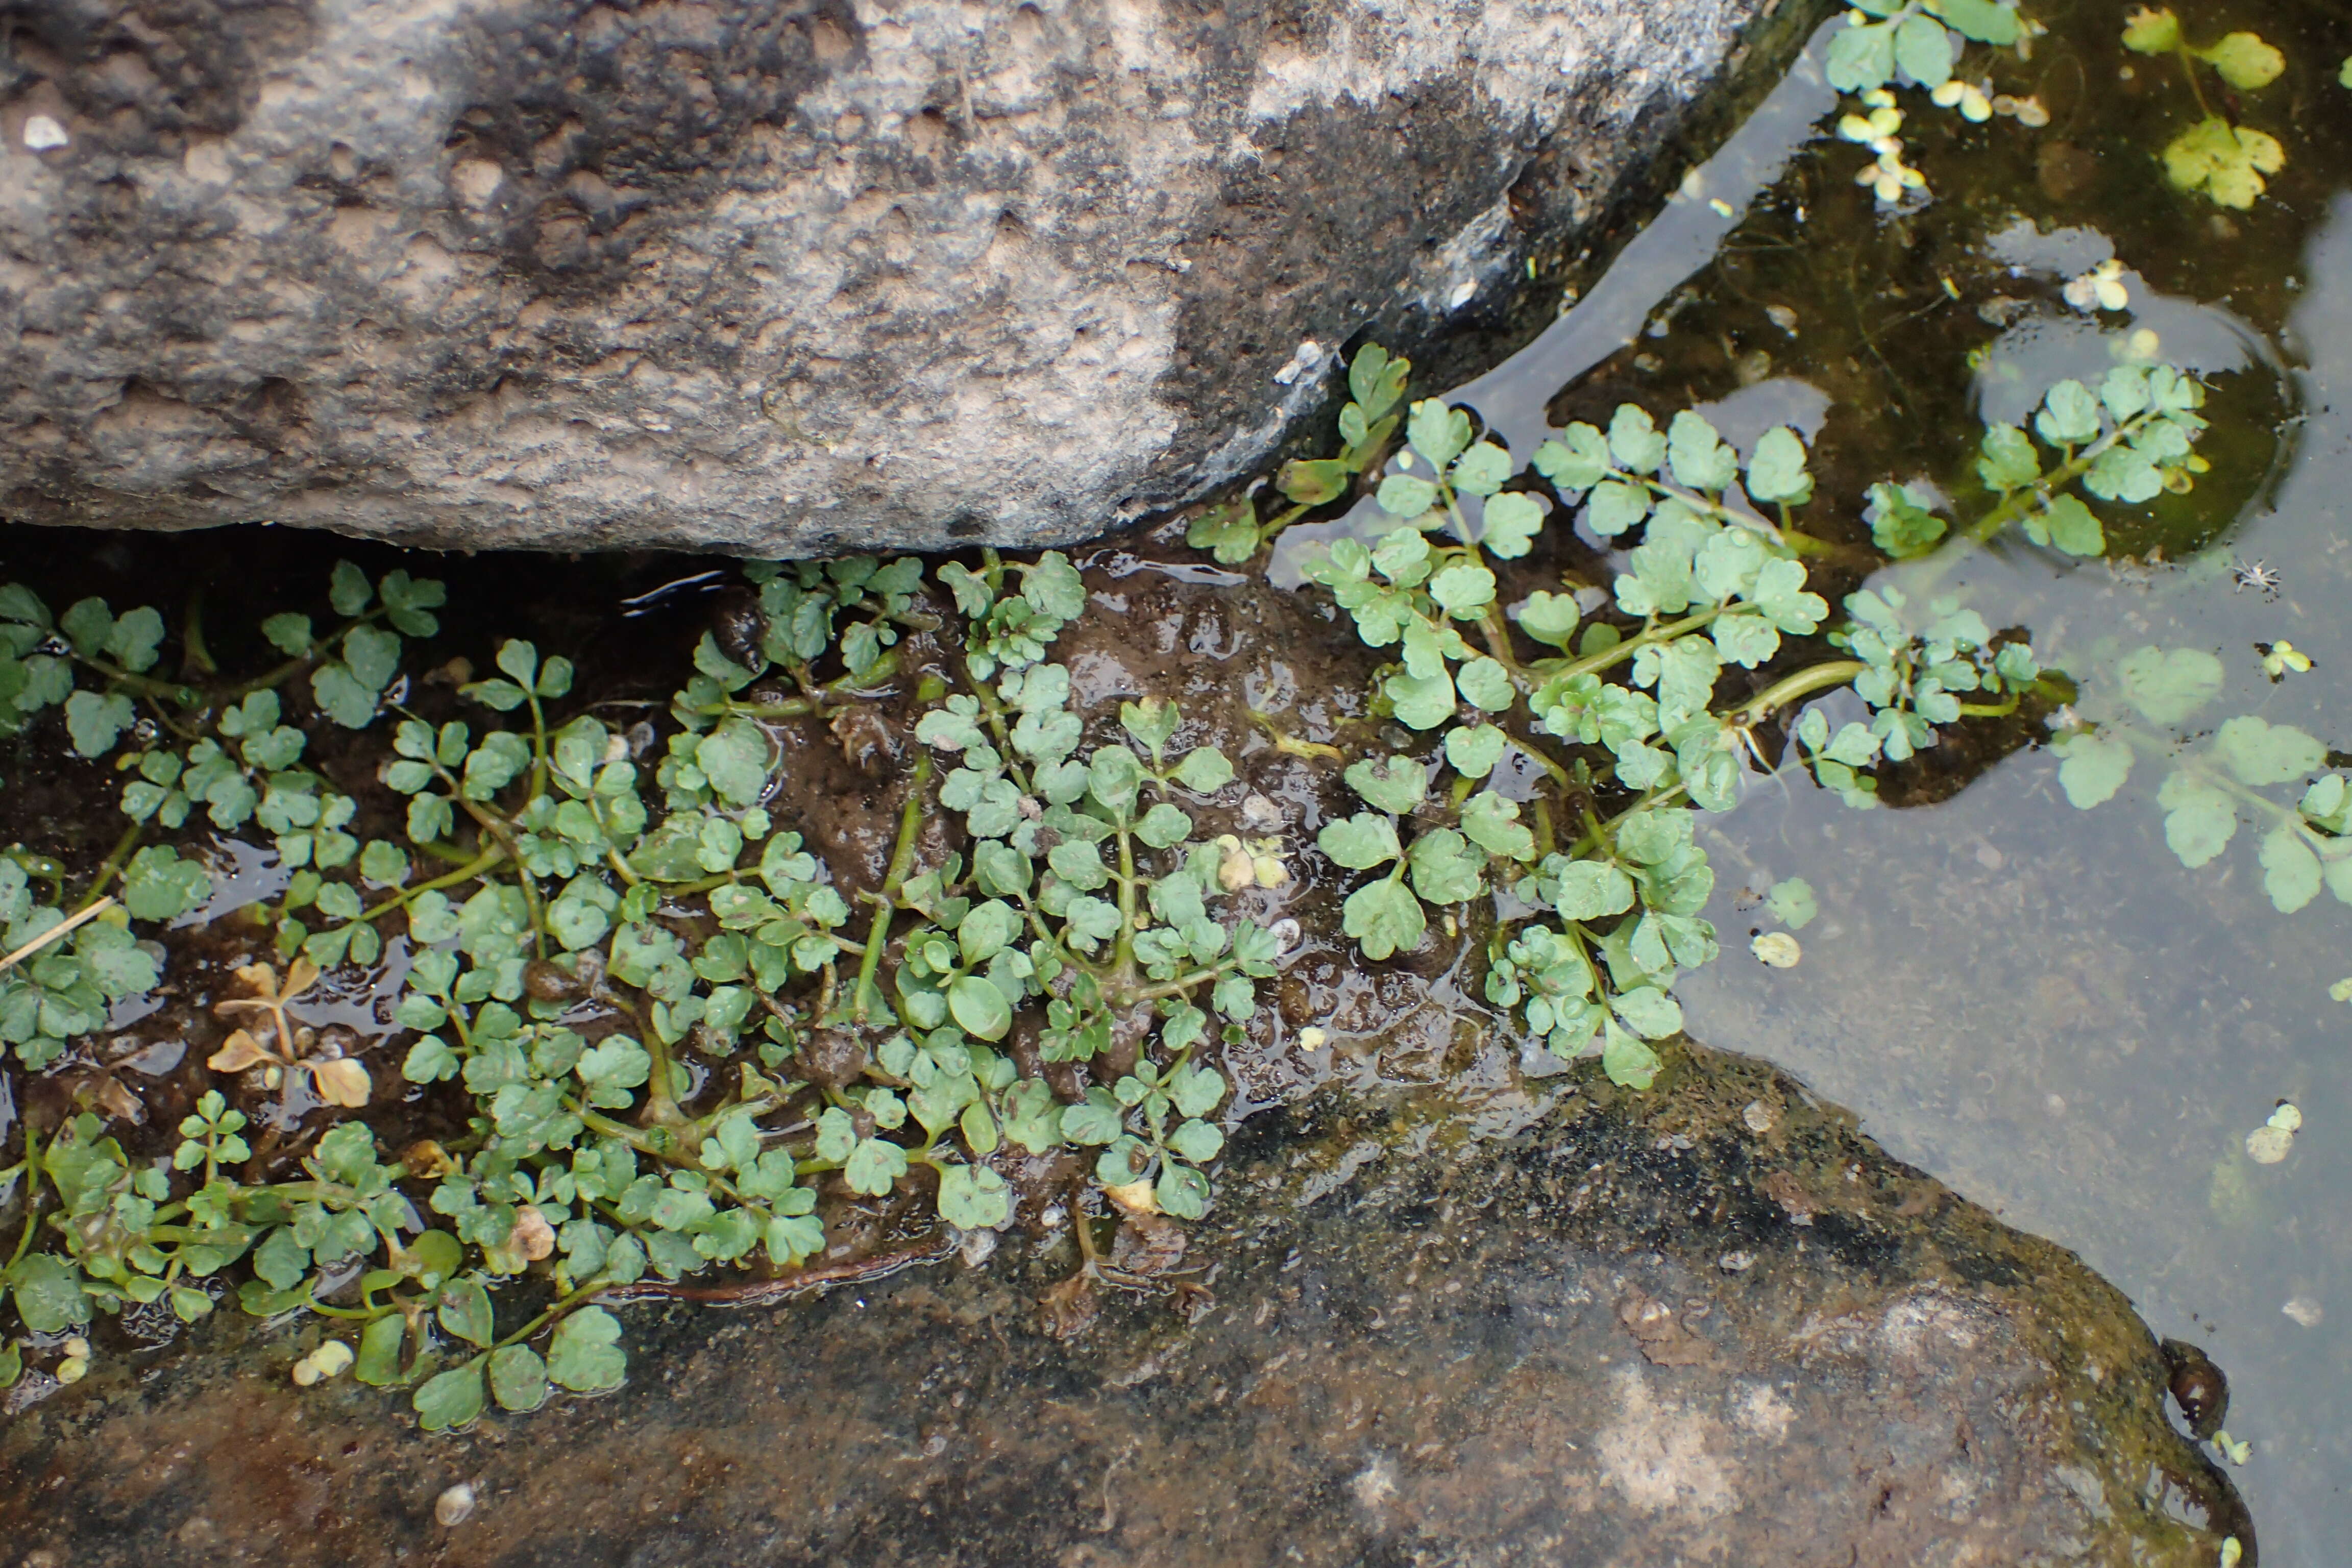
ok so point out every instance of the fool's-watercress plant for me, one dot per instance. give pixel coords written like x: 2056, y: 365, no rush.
x: 682, y: 1045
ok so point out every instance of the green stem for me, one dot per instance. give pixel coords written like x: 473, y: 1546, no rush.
x: 1593, y: 663
x: 491, y: 824
x: 112, y: 864
x: 2016, y: 505
x: 1803, y: 684
x: 1123, y: 954
x: 2158, y: 747
x: 902, y: 859
x: 196, y: 658
x: 561, y: 1309
x: 145, y: 686
x: 465, y: 873
x: 32, y: 1194
x: 1268, y: 531
x: 279, y: 675
x: 2189, y: 70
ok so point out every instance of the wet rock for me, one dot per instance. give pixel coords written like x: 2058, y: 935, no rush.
x: 793, y: 278
x: 1389, y: 1345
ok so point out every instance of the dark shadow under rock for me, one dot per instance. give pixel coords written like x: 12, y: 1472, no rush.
x: 1708, y: 1324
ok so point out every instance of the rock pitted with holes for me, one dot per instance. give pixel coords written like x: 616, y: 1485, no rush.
x: 782, y: 278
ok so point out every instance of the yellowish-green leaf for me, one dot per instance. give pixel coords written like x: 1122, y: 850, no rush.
x: 2226, y: 161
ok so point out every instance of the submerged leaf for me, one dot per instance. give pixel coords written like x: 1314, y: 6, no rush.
x: 2245, y: 60
x: 2226, y: 161
x: 2093, y: 769
x: 2168, y: 684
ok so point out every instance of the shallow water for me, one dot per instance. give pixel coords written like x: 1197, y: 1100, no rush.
x: 2040, y: 1004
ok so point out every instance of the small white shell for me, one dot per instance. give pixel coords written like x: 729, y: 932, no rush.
x: 1778, y: 949
x: 2286, y: 1119
x: 456, y: 1505
x: 41, y: 134
x: 2268, y: 1145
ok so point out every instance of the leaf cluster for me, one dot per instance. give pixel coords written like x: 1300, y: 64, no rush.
x: 1234, y: 532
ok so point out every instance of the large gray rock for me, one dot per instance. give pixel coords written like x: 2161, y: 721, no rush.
x: 1708, y: 1325
x: 781, y: 277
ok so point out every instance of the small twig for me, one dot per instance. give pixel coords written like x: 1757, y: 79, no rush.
x: 57, y: 932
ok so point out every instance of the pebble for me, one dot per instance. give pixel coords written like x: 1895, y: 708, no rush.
x: 1757, y: 1116
x: 1735, y: 1262
x: 456, y: 1505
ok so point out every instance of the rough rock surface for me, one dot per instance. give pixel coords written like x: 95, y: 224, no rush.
x: 1710, y: 1324
x: 784, y: 278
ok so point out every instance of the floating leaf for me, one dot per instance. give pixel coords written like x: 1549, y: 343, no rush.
x: 1384, y: 918
x: 585, y: 1355
x: 1396, y: 784
x: 1776, y: 469
x: 1923, y: 50
x: 518, y: 1378
x: 1793, y: 902
x: 453, y: 1399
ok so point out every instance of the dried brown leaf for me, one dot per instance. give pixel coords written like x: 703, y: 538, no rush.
x: 341, y: 1081
x: 238, y: 1052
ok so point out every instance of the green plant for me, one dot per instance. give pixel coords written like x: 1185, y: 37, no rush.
x: 1616, y: 699
x: 64, y: 973
x: 2211, y: 786
x: 1233, y: 533
x: 1918, y: 44
x: 2226, y: 161
x: 585, y: 943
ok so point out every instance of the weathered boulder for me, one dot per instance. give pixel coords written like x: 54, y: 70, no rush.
x: 781, y: 277
x: 1710, y: 1324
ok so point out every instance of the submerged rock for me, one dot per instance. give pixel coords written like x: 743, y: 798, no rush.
x: 1624, y: 1330
x: 793, y: 280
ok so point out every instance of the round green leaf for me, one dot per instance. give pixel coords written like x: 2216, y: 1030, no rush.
x: 452, y: 1399
x: 1393, y: 784
x: 2290, y: 870
x: 2168, y: 686
x: 2093, y: 768
x: 1473, y: 750
x: 2260, y: 752
x: 1776, y: 468
x: 1384, y: 918
x: 1360, y: 842
x: 974, y: 1197
x: 1197, y: 1141
x: 1182, y: 1191
x: 585, y: 1355
x: 518, y: 1378
x: 979, y: 1007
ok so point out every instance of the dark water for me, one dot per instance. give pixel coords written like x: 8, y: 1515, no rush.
x: 2041, y: 1005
